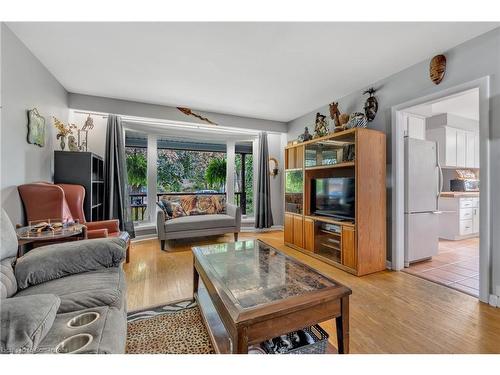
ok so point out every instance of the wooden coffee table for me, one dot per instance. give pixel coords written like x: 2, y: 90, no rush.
x: 249, y: 292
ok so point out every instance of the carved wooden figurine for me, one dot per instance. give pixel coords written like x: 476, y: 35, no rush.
x: 321, y: 126
x: 334, y: 113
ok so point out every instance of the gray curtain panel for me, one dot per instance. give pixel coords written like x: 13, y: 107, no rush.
x: 263, y: 214
x: 116, y: 202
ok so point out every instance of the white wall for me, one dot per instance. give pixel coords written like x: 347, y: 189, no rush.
x: 26, y: 84
x: 275, y: 148
x: 97, y: 136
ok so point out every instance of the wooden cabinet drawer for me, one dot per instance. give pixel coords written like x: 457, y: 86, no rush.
x: 466, y: 227
x: 465, y: 213
x: 466, y: 202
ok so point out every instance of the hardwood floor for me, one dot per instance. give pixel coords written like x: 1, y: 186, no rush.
x: 391, y: 312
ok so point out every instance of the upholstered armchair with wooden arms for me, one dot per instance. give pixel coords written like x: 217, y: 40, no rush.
x: 43, y: 200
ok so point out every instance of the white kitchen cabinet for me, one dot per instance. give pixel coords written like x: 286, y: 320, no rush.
x: 446, y: 137
x: 457, y: 148
x: 470, y: 146
x: 476, y: 150
x: 415, y: 127
x: 466, y: 213
x: 461, y: 148
x: 460, y: 217
x: 465, y: 227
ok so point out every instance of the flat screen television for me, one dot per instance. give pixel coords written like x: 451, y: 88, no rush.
x: 334, y: 197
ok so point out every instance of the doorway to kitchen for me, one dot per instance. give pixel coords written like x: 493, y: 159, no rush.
x: 442, y: 191
x: 440, y: 209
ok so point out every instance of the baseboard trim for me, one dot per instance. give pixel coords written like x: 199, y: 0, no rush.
x: 145, y: 237
x: 260, y: 230
x: 494, y: 300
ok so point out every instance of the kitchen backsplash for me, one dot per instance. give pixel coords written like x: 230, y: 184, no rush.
x: 450, y: 174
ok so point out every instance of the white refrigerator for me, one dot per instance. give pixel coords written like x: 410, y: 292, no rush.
x: 423, y: 186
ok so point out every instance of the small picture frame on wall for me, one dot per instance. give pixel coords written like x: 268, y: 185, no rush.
x: 36, y: 128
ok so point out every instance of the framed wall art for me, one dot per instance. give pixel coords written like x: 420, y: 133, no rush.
x: 36, y: 128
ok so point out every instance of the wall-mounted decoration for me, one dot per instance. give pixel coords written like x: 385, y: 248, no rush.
x: 437, y: 68
x: 371, y: 104
x: 189, y: 112
x: 357, y: 120
x: 306, y: 136
x: 63, y: 131
x: 273, y: 169
x: 36, y: 128
x: 321, y: 126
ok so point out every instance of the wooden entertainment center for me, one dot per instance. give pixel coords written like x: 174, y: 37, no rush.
x: 355, y: 245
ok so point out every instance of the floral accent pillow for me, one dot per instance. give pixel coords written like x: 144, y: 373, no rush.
x: 211, y: 204
x: 188, y: 203
x: 191, y: 205
x: 177, y: 210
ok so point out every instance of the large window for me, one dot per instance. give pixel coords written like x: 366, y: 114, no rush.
x: 181, y: 171
x: 137, y: 171
x: 183, y: 165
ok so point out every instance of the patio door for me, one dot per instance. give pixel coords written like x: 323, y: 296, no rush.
x: 136, y: 153
x: 243, y: 177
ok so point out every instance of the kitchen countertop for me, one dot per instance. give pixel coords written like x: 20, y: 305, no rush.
x: 458, y: 194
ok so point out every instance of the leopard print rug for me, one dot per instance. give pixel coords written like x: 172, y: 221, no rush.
x: 172, y: 329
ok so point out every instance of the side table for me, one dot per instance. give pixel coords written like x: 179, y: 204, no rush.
x: 25, y: 236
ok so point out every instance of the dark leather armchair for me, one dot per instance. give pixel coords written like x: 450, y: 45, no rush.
x: 44, y: 200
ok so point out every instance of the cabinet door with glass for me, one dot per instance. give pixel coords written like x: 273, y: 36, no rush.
x: 294, y: 182
x: 324, y: 153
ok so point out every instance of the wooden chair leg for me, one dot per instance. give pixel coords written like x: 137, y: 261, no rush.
x: 163, y: 244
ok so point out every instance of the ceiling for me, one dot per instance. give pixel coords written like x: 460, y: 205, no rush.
x: 274, y: 71
x: 463, y: 105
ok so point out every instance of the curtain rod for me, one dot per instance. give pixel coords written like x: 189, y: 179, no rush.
x: 145, y: 120
x: 91, y: 113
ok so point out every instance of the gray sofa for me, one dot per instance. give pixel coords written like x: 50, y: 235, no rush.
x: 198, y: 225
x: 51, y: 296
